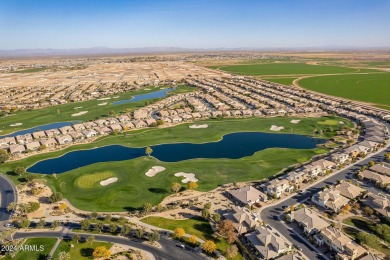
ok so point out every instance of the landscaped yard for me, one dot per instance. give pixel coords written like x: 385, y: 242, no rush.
x: 45, y: 243
x: 80, y: 250
x: 372, y: 88
x: 133, y: 188
x: 196, y: 226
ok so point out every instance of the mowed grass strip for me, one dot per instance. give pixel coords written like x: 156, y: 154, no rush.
x: 33, y: 254
x: 91, y: 180
x: 285, y: 69
x: 372, y: 88
x: 79, y: 251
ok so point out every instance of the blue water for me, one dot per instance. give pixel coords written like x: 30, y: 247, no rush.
x: 41, y: 128
x: 233, y: 146
x: 156, y: 94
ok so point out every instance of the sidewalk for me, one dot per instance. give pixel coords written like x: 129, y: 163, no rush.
x: 54, y: 248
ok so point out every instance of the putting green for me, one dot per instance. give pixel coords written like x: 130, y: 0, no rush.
x: 91, y: 180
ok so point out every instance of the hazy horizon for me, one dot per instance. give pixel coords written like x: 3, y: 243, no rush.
x: 229, y: 24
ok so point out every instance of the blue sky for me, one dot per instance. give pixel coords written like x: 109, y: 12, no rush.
x: 194, y: 24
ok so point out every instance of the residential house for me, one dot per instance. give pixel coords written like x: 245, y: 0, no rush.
x: 267, y: 242
x: 151, y: 122
x: 33, y: 146
x: 140, y: 124
x: 308, y: 220
x: 115, y: 127
x: 79, y: 127
x: 243, y: 220
x: 339, y: 158
x: 16, y: 149
x: 382, y: 169
x: 66, y: 130
x: 38, y: 134
x: 379, y: 179
x: 297, y: 176
x: 276, y: 187
x: 64, y: 139
x: 378, y: 203
x: 349, y: 190
x: 48, y: 142
x: 247, y: 195
x: 90, y: 133
x: 330, y: 199
x: 77, y: 136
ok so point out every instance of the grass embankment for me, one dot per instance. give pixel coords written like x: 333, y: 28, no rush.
x: 284, y: 81
x: 34, y: 253
x: 63, y: 113
x: 196, y: 226
x: 372, y: 88
x: 79, y: 250
x: 133, y: 188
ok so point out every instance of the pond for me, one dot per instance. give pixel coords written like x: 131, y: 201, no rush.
x: 156, y: 94
x: 40, y: 128
x: 233, y: 146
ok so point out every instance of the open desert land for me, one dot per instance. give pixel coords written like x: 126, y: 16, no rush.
x: 365, y: 79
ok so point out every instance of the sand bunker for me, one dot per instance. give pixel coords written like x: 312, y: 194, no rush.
x: 199, y: 126
x: 276, y: 128
x: 106, y: 98
x: 116, y: 97
x: 154, y: 170
x: 102, y: 104
x: 108, y: 181
x: 78, y: 107
x: 16, y: 124
x: 341, y: 122
x: 188, y: 177
x: 80, y: 113
x: 295, y: 121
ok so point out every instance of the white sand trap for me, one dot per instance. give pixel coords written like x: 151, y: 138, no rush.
x: 276, y: 128
x: 199, y: 126
x: 108, y: 181
x: 188, y: 177
x: 295, y: 121
x: 106, y: 98
x: 80, y: 113
x: 154, y: 170
x: 341, y: 122
x: 116, y: 97
x: 146, y: 88
x: 16, y: 124
x: 78, y: 107
x: 102, y: 104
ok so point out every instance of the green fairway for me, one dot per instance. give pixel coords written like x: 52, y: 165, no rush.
x: 63, y: 113
x: 46, y: 244
x: 328, y: 122
x: 79, y: 250
x: 133, y: 188
x: 284, y: 69
x: 372, y: 88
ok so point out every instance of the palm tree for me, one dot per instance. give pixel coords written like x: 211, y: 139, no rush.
x: 11, y: 206
x: 64, y: 255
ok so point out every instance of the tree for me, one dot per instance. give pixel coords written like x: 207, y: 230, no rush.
x: 85, y: 224
x: 108, y: 218
x: 371, y: 163
x: 64, y: 255
x: 368, y: 211
x: 101, y: 252
x: 387, y: 156
x: 125, y: 230
x: 216, y: 217
x: 226, y: 229
x: 94, y: 214
x: 11, y: 206
x: 192, y: 185
x: 24, y: 223
x: 63, y: 206
x: 76, y: 238
x: 205, y: 213
x: 209, y: 246
x: 148, y: 150
x: 90, y: 239
x: 113, y: 228
x: 33, y: 206
x: 41, y: 223
x: 193, y: 240
x: 231, y: 251
x: 147, y: 208
x: 19, y: 170
x: 175, y: 187
x: 178, y: 232
x: 207, y: 205
x: 140, y: 233
x: 55, y: 224
x: 99, y: 226
x: 3, y: 156
x: 154, y: 236
x: 55, y: 197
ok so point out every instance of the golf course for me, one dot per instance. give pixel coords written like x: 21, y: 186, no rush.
x: 133, y: 188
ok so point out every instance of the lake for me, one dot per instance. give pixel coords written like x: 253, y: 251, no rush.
x: 40, y: 128
x: 156, y: 94
x: 233, y: 146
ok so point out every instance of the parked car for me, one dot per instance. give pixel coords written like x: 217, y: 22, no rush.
x: 182, y: 246
x: 298, y: 247
x: 8, y: 225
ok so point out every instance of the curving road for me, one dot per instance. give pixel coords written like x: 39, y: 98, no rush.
x: 271, y: 214
x: 168, y: 249
x: 8, y: 194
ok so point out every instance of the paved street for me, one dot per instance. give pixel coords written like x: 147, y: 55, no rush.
x: 168, y: 249
x: 269, y: 214
x: 8, y: 194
